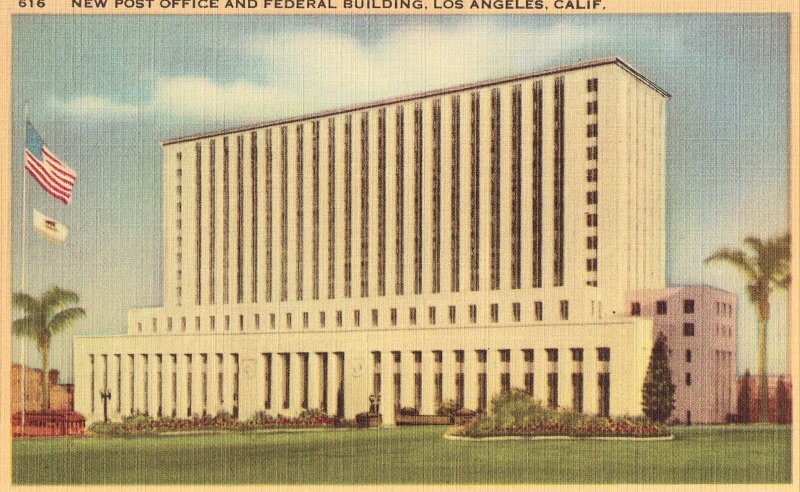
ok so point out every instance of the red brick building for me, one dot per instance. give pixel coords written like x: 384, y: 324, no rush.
x: 61, y: 395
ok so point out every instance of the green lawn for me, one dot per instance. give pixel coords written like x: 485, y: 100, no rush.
x: 406, y: 455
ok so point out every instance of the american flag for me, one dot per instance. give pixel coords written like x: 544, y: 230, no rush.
x: 53, y: 175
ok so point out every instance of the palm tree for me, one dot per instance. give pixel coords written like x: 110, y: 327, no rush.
x: 43, y: 319
x: 766, y: 270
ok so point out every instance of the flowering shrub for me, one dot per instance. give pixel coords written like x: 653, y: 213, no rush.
x: 514, y: 413
x: 142, y: 424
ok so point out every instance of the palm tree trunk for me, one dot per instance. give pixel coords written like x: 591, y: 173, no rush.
x: 763, y: 390
x: 45, y: 379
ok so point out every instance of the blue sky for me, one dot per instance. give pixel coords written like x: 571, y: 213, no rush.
x: 104, y: 90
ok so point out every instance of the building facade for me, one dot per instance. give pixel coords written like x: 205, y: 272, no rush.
x: 444, y: 245
x: 61, y: 395
x: 700, y: 325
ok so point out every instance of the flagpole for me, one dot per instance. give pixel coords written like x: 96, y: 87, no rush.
x: 23, y: 347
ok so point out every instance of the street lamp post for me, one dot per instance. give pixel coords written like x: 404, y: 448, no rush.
x: 105, y: 395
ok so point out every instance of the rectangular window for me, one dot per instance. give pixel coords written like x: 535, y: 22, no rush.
x: 473, y: 313
x: 688, y: 379
x: 482, y: 390
x: 552, y: 389
x: 412, y: 316
x: 591, y: 175
x: 393, y: 316
x: 267, y: 381
x: 322, y: 319
x: 494, y: 312
x: 577, y: 392
x: 688, y: 355
x: 303, y: 380
x: 564, y: 310
x: 418, y: 198
x: 315, y: 210
x: 364, y: 204
x: 227, y: 323
x: 254, y: 217
x: 558, y: 185
x: 516, y: 311
x: 286, y: 380
x: 591, y: 242
x: 189, y: 385
x: 288, y: 320
x: 284, y: 213
x: 475, y: 177
x: 382, y: 202
x: 397, y: 381
x: 374, y: 317
x: 198, y: 181
x: 357, y: 317
x: 418, y: 381
x: 213, y: 323
x: 591, y: 220
x: 399, y: 202
x: 305, y: 319
x: 494, y: 193
x: 527, y: 355
x: 240, y: 218
x: 661, y: 307
x: 604, y: 393
x: 591, y: 85
x: 272, y: 320
x: 455, y: 193
x: 591, y: 264
x: 331, y: 207
x: 516, y: 187
x: 505, y: 374
x: 348, y: 205
x: 220, y: 381
x: 538, y: 310
x: 591, y: 153
x: 432, y: 315
x: 636, y: 309
x: 376, y: 378
x: 452, y: 314
x: 591, y: 197
x: 603, y: 354
x: 536, y: 249
x: 436, y: 198
x: 268, y: 214
x: 459, y: 377
x: 299, y: 199
x: 591, y: 107
x: 338, y: 319
x: 688, y: 329
x: 688, y: 306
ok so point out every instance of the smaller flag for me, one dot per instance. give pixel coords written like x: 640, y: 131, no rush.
x: 48, y: 228
x: 53, y: 175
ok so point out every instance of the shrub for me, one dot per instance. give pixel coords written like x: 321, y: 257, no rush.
x: 448, y: 408
x: 408, y: 411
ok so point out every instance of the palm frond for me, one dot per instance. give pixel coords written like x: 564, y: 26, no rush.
x: 25, y: 302
x: 65, y: 319
x: 738, y: 259
x: 25, y: 327
x: 56, y: 297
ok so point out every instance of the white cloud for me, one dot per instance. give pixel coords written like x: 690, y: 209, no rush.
x: 95, y: 107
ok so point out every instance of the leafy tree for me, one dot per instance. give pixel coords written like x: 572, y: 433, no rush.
x: 766, y: 270
x: 658, y: 392
x: 781, y: 402
x: 743, y: 400
x: 43, y: 319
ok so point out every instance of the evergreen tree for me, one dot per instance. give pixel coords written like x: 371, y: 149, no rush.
x: 743, y: 400
x: 781, y: 407
x: 658, y: 392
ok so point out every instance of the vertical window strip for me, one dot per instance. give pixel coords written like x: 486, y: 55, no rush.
x: 284, y: 213
x: 364, y: 204
x: 240, y: 218
x: 212, y: 222
x: 536, y: 248
x: 558, y: 186
x: 299, y: 216
x: 400, y: 202
x: 418, y: 198
x: 198, y: 182
x: 475, y: 177
x: 348, y: 205
x: 516, y: 186
x: 315, y: 209
x: 179, y: 245
x: 331, y: 208
x: 382, y: 202
x: 226, y: 215
x: 494, y: 225
x: 254, y: 217
x: 436, y: 173
x: 268, y: 216
x: 455, y: 194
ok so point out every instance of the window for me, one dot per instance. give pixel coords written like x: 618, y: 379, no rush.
x: 591, y: 220
x: 494, y: 312
x: 516, y: 311
x: 591, y: 175
x: 374, y: 317
x: 412, y: 315
x: 432, y: 315
x: 688, y: 306
x: 272, y: 320
x: 528, y: 357
x: 473, y: 313
x: 688, y: 329
x: 591, y: 153
x: 538, y: 310
x: 718, y: 307
x: 452, y: 313
x: 591, y: 197
x: 591, y: 264
x: 288, y: 320
x: 591, y: 107
x: 564, y: 310
x: 688, y: 379
x: 139, y: 326
x: 338, y: 319
x: 688, y: 355
x: 322, y: 319
x: 305, y: 319
x: 636, y: 308
x: 591, y: 85
x: 591, y: 130
x: 241, y: 321
x: 393, y: 316
x: 603, y: 354
x: 357, y: 317
x: 257, y: 321
x: 661, y: 307
x: 213, y: 322
x: 591, y: 242
x: 558, y: 185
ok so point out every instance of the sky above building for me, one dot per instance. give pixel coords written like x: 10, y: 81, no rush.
x: 103, y: 91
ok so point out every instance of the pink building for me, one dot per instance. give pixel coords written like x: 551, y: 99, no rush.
x: 700, y: 325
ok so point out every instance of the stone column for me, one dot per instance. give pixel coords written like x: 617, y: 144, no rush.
x: 407, y: 379
x: 470, y: 379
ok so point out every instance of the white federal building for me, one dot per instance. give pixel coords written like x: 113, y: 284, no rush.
x: 442, y: 245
